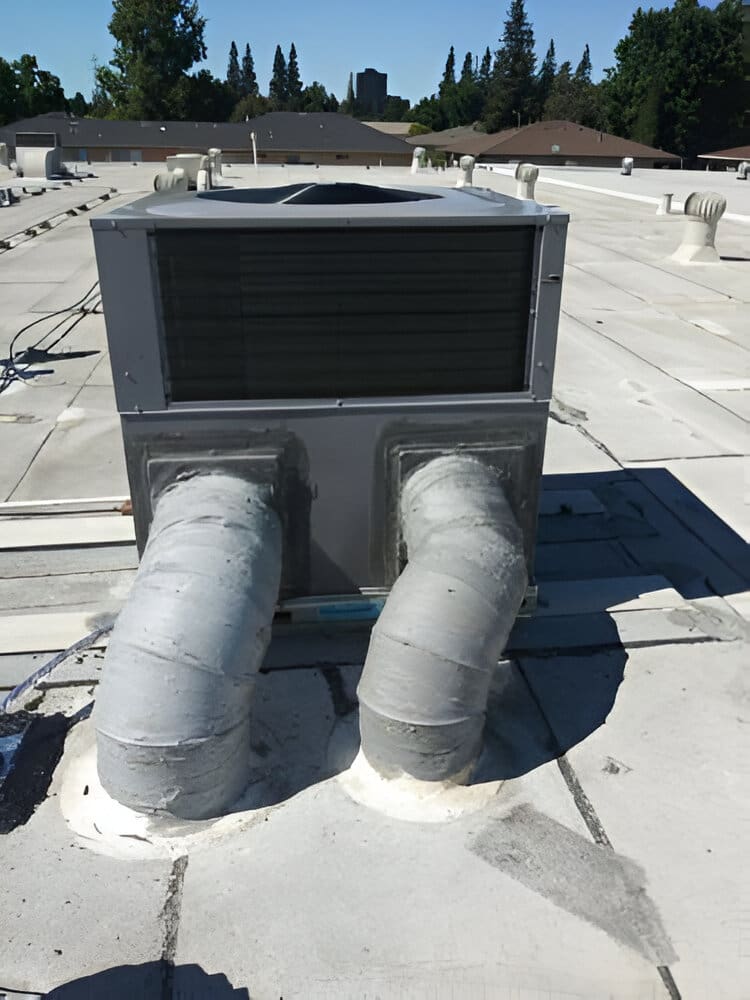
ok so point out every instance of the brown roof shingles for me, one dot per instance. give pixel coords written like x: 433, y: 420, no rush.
x: 553, y: 138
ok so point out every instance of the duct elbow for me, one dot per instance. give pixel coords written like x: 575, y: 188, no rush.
x: 424, y: 689
x: 172, y: 714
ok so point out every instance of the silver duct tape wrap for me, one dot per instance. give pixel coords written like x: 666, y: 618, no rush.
x: 172, y: 712
x: 423, y: 692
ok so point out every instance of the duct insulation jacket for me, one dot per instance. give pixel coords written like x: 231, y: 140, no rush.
x: 172, y: 713
x: 424, y: 689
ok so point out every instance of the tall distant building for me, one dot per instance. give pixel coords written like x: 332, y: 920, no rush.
x: 372, y: 88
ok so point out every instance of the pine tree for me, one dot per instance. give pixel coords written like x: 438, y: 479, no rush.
x: 546, y: 77
x: 485, y: 71
x: 583, y: 70
x: 347, y: 105
x: 278, y: 88
x: 449, y: 76
x: 293, y: 82
x: 234, y: 77
x: 469, y: 98
x: 512, y: 91
x: 248, y: 79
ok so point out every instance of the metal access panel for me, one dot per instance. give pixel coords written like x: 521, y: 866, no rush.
x: 330, y: 338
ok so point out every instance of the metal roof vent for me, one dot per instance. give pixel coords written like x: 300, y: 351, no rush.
x: 329, y: 339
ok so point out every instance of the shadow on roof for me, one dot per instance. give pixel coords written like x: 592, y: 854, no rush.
x: 150, y: 981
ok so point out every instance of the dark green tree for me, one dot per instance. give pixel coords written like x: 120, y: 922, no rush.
x: 100, y: 105
x: 574, y: 98
x: 278, y: 89
x: 469, y: 99
x: 8, y: 93
x: 428, y: 112
x: 678, y: 82
x: 293, y: 82
x: 78, y: 105
x: 202, y: 97
x: 583, y: 70
x: 448, y: 93
x: 449, y: 74
x: 395, y: 109
x: 252, y: 106
x: 485, y: 71
x: 37, y: 90
x: 315, y: 97
x: 234, y: 75
x: 512, y: 89
x: 348, y: 104
x: 546, y: 76
x: 248, y: 79
x: 156, y: 43
x: 559, y: 104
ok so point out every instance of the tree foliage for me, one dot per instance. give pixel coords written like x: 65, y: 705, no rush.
x: 278, y: 88
x: 234, y: 74
x: 513, y: 84
x: 156, y: 43
x: 248, y: 79
x: 293, y: 82
x: 678, y: 80
x: 546, y: 76
x: 348, y: 104
x: 315, y: 97
x: 26, y: 90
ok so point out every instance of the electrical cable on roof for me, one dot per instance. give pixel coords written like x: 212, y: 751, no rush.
x: 10, y: 370
x: 44, y: 671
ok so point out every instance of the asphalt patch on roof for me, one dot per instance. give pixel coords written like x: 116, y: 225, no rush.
x: 30, y: 748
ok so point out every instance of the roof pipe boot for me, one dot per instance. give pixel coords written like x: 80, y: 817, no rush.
x: 466, y: 177
x: 665, y: 205
x: 526, y: 178
x: 171, y: 181
x: 424, y: 689
x: 416, y: 158
x: 703, y: 210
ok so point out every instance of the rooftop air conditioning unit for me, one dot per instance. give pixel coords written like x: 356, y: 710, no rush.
x: 330, y: 339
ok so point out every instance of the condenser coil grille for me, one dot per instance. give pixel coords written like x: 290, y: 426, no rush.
x: 323, y: 313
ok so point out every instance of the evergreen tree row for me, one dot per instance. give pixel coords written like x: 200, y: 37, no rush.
x: 677, y: 83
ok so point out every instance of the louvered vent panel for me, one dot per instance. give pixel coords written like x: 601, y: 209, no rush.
x: 321, y: 313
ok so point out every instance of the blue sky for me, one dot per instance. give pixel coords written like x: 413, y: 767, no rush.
x: 409, y: 39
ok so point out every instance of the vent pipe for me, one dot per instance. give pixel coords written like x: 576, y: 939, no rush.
x: 526, y: 178
x: 665, y: 205
x: 466, y: 177
x: 172, y: 711
x: 627, y: 166
x: 424, y: 689
x: 703, y: 210
x: 743, y: 169
x: 416, y: 158
x: 171, y: 181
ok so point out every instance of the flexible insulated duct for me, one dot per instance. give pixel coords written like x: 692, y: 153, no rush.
x: 424, y: 689
x: 172, y: 711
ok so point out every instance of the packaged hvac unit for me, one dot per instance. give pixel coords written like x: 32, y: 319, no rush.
x: 331, y: 338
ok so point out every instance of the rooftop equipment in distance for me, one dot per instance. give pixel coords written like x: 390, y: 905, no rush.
x: 38, y: 154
